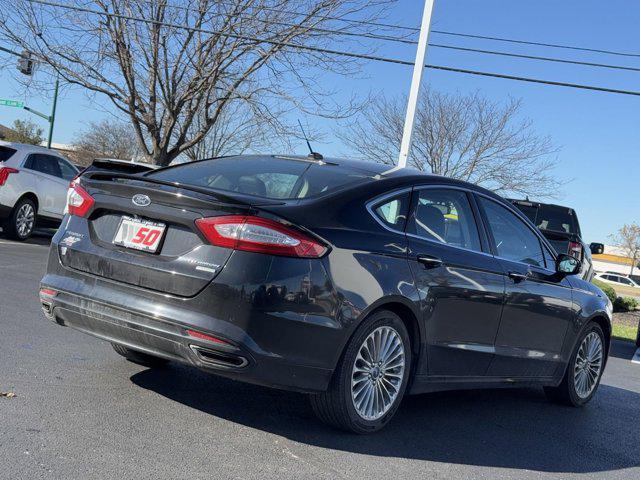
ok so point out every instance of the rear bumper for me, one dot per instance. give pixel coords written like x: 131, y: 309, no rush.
x: 169, y: 340
x: 269, y: 344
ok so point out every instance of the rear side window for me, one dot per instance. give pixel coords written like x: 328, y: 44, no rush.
x: 6, y: 153
x: 445, y: 216
x: 512, y: 238
x: 267, y: 177
x: 44, y: 164
x: 392, y: 212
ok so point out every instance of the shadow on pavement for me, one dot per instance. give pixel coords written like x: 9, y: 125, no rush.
x: 622, y: 349
x: 39, y: 237
x: 516, y: 429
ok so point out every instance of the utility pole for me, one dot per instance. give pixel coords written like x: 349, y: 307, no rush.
x: 418, y: 69
x: 52, y: 117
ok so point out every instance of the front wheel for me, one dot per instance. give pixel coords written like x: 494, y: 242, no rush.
x: 371, y: 377
x: 583, y: 374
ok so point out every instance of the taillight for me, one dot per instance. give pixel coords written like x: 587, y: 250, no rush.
x: 575, y: 249
x: 5, y: 172
x: 256, y: 234
x: 79, y: 202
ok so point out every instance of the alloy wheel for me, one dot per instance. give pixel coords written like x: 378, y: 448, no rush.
x: 377, y: 373
x: 24, y: 220
x: 588, y: 365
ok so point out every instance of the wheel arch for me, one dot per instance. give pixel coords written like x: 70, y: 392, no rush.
x: 408, y: 313
x: 31, y: 196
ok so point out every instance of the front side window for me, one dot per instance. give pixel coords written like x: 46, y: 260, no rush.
x: 445, y: 216
x: 66, y: 170
x: 392, y: 212
x: 512, y: 238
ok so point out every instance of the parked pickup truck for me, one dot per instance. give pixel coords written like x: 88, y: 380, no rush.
x: 560, y: 226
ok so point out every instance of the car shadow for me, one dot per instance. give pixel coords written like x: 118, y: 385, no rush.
x: 509, y: 428
x: 39, y: 237
x: 622, y: 349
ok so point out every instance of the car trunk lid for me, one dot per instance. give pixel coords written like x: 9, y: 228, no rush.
x: 184, y: 262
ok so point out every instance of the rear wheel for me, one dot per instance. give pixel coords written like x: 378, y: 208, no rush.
x: 583, y: 374
x: 371, y: 377
x: 22, y: 220
x: 139, y: 357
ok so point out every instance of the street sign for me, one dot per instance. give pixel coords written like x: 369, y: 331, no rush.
x: 11, y: 103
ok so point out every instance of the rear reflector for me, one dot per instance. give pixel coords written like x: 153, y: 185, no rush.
x: 79, y: 202
x: 260, y: 235
x: 47, y: 292
x: 204, y: 336
x: 5, y: 172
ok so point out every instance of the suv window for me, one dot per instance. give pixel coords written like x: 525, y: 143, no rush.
x: 625, y: 281
x: 44, y: 164
x: 512, y: 238
x: 445, y: 216
x: 67, y: 171
x: 393, y: 211
x: 6, y: 153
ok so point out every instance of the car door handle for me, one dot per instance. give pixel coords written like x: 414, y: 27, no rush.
x: 518, y: 277
x: 429, y: 261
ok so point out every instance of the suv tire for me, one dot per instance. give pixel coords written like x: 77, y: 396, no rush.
x: 22, y: 221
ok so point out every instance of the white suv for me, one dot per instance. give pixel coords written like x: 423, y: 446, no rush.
x: 33, y: 187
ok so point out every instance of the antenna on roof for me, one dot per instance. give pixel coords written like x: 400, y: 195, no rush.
x: 312, y: 154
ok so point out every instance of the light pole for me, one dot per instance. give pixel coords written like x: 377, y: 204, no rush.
x: 418, y: 69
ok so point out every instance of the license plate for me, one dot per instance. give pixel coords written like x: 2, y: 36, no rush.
x: 139, y: 234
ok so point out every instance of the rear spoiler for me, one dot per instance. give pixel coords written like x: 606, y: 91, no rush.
x: 230, y: 198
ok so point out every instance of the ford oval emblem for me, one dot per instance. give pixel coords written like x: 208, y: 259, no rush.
x: 141, y: 200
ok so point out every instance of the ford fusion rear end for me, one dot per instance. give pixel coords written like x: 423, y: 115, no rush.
x: 195, y: 275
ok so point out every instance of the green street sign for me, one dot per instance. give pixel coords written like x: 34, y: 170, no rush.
x: 11, y: 103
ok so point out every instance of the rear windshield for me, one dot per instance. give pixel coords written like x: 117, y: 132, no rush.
x: 266, y: 177
x: 6, y: 153
x: 558, y: 219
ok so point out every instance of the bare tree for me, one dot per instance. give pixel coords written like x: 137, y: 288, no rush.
x: 107, y: 138
x: 465, y: 137
x: 237, y: 131
x: 628, y: 240
x: 24, y: 131
x: 172, y: 68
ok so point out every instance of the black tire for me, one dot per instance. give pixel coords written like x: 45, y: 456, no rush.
x: 335, y: 406
x: 138, y: 357
x: 566, y: 393
x: 11, y: 226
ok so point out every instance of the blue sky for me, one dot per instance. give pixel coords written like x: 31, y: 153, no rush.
x: 598, y: 133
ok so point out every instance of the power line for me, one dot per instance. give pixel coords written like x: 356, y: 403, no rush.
x: 338, y: 52
x: 539, y: 44
x: 445, y: 32
x: 407, y: 41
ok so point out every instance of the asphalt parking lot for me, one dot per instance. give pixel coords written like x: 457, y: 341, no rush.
x: 81, y: 411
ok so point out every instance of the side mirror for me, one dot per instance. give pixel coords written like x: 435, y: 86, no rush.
x: 567, y: 265
x: 597, y: 248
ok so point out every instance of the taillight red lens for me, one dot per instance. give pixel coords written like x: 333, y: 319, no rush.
x: 261, y: 235
x: 5, y: 172
x: 575, y: 249
x: 79, y: 202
